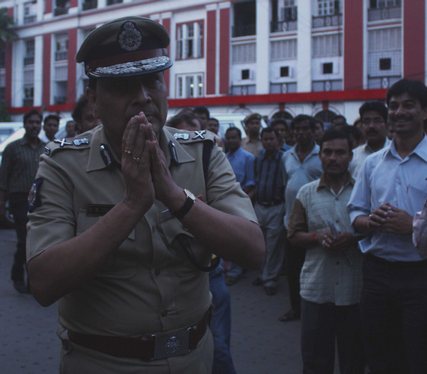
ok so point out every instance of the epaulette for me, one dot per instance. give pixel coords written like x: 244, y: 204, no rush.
x: 188, y: 137
x: 73, y: 144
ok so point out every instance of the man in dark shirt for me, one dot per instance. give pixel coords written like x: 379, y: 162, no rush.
x: 18, y: 169
x: 270, y: 207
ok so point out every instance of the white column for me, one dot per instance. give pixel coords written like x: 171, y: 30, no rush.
x: 304, y: 46
x: 102, y: 3
x: 172, y: 56
x: 38, y: 70
x: 20, y: 13
x: 39, y: 12
x: 18, y: 52
x: 262, y: 78
x: 196, y: 40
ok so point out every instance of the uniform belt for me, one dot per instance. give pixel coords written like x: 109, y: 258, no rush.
x: 156, y: 346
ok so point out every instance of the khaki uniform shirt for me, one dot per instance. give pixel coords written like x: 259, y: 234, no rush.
x: 148, y: 284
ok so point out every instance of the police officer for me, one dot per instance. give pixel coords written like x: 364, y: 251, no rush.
x: 116, y: 231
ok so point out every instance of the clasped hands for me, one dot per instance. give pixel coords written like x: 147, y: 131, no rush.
x: 388, y: 218
x: 144, y: 167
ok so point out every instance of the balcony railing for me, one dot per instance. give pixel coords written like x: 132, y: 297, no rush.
x: 60, y: 11
x: 90, y: 4
x: 278, y: 26
x: 30, y: 18
x: 327, y: 21
x: 244, y: 30
x: 61, y: 55
x: 379, y: 14
x: 29, y: 60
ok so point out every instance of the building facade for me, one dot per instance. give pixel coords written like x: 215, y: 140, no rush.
x: 317, y: 57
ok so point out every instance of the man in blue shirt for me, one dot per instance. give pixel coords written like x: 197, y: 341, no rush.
x: 391, y: 187
x: 269, y: 207
x: 242, y: 163
x: 301, y: 165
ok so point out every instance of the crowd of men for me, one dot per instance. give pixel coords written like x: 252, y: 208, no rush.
x: 132, y: 223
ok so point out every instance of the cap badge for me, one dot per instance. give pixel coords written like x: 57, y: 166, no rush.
x: 130, y: 38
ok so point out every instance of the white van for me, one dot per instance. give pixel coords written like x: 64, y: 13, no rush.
x: 8, y: 128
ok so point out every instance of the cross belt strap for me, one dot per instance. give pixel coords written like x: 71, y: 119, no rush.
x: 156, y: 346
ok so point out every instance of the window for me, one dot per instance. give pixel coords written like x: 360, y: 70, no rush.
x: 327, y: 68
x: 284, y: 71
x: 245, y: 74
x: 385, y: 63
x: 327, y: 45
x: 328, y: 7
x: 244, y: 53
x: 61, y: 47
x: 283, y: 50
x: 29, y: 52
x: 30, y: 12
x: 289, y: 11
x: 378, y: 4
x: 189, y: 85
x: 189, y: 40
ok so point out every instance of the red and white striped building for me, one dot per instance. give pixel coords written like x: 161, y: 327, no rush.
x: 298, y: 56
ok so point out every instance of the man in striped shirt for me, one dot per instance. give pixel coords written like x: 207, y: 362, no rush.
x: 18, y: 169
x: 270, y: 207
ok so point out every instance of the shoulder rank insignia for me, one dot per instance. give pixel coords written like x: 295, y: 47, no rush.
x: 34, y: 200
x: 81, y: 141
x: 199, y: 134
x: 181, y: 136
x: 76, y: 142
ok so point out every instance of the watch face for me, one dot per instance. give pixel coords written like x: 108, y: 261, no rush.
x: 189, y: 194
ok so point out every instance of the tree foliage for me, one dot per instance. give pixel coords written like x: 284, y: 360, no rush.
x: 7, y: 33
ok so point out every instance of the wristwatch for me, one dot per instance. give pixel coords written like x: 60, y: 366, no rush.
x: 189, y: 202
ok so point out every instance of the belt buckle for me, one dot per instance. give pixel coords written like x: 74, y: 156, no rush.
x: 172, y: 344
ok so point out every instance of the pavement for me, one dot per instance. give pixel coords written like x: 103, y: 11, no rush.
x: 260, y: 343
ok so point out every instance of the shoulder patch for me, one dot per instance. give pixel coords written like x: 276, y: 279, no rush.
x: 57, y: 145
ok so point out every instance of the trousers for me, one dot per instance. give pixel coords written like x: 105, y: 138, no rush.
x: 394, y: 316
x: 221, y: 323
x: 19, y: 208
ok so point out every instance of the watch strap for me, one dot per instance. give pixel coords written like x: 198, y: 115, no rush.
x: 180, y: 213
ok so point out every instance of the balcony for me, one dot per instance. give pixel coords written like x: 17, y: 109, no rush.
x: 283, y: 26
x: 380, y: 14
x: 29, y: 60
x: 244, y: 30
x: 60, y: 11
x: 31, y: 18
x: 326, y: 21
x: 90, y: 4
x: 61, y: 55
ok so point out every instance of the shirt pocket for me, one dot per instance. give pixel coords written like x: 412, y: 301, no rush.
x: 121, y: 263
x: 178, y: 239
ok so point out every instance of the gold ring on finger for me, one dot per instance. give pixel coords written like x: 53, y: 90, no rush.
x: 127, y: 151
x: 136, y: 158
